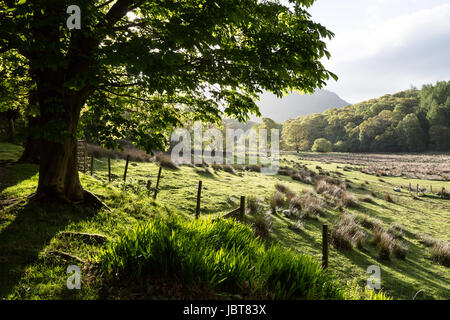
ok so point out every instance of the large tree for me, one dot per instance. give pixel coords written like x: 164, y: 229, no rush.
x: 137, y: 68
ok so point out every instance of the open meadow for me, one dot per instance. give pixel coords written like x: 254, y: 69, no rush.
x: 374, y: 219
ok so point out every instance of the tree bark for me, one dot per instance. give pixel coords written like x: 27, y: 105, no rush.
x: 12, y: 131
x: 11, y: 115
x: 31, y: 151
x: 59, y: 104
x: 58, y: 170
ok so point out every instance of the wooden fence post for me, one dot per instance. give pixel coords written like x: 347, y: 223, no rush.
x: 149, y: 186
x: 92, y: 165
x: 242, y: 209
x: 417, y: 189
x: 325, y: 246
x: 199, y: 194
x: 126, y: 168
x: 431, y: 188
x: 410, y: 187
x: 109, y: 169
x: 157, y: 183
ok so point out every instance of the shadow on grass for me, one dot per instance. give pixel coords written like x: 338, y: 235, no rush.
x: 26, y: 230
x: 401, y: 288
x: 15, y: 173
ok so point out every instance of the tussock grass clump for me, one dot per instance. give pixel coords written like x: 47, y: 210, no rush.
x: 312, y: 205
x: 427, y: 241
x: 440, y: 252
x: 295, y: 204
x: 136, y: 155
x: 444, y: 193
x: 165, y: 160
x: 302, y: 178
x: 99, y: 152
x: 346, y: 233
x: 368, y: 199
x: 369, y: 223
x: 304, y: 175
x: 329, y: 190
x: 253, y: 168
x: 285, y: 190
x: 396, y: 230
x: 253, y: 205
x: 228, y: 168
x: 277, y: 201
x: 297, y: 226
x: 400, y: 250
x: 348, y: 200
x: 262, y: 225
x: 214, y: 257
x: 388, y: 198
x: 384, y: 243
x: 336, y: 194
x: 203, y: 171
x: 201, y: 165
x: 286, y: 171
x: 343, y: 185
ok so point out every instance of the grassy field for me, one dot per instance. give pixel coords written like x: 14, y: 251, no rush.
x: 34, y: 257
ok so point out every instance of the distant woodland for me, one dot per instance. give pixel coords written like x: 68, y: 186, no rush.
x: 409, y: 121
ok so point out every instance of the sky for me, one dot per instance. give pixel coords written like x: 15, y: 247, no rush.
x: 385, y: 46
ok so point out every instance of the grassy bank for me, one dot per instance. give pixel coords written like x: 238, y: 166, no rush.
x: 31, y: 249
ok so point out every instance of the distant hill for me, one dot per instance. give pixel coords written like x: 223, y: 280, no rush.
x: 234, y: 124
x: 295, y: 105
x: 408, y: 121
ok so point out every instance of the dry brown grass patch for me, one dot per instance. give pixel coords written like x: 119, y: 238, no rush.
x: 384, y: 243
x: 388, y: 198
x: 346, y: 233
x: 400, y: 250
x: 165, y: 160
x: 277, y: 201
x: 440, y: 252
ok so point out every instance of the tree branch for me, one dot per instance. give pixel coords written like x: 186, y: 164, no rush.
x: 119, y: 10
x: 127, y: 95
x: 104, y: 4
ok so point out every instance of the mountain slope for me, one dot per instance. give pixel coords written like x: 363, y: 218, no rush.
x: 295, y: 105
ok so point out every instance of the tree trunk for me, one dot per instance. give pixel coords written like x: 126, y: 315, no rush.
x: 12, y: 131
x: 58, y: 171
x: 31, y: 152
x: 11, y: 116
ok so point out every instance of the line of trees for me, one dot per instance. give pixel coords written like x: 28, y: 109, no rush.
x: 409, y: 121
x: 138, y: 69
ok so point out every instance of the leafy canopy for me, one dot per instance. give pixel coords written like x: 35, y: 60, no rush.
x: 144, y: 67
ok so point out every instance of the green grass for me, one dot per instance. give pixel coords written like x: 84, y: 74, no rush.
x: 38, y: 274
x: 9, y: 151
x: 219, y: 257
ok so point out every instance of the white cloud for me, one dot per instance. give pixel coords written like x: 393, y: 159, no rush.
x: 394, y: 33
x: 383, y: 55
